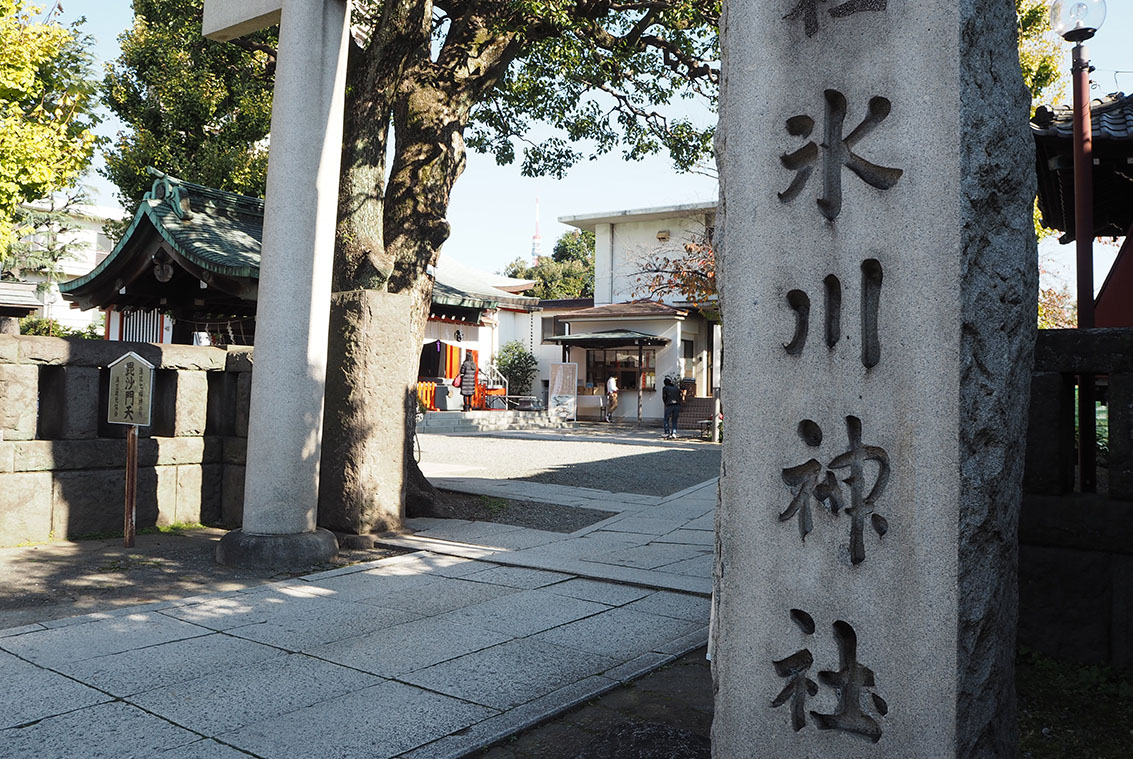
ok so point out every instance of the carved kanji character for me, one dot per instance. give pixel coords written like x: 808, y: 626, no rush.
x: 837, y: 153
x: 850, y: 681
x: 862, y: 504
x: 807, y: 10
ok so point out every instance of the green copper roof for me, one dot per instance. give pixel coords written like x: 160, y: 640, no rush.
x: 216, y: 230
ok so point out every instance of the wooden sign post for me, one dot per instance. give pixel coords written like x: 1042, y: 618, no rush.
x: 130, y: 403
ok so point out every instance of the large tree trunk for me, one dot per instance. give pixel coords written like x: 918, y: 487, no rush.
x: 389, y: 234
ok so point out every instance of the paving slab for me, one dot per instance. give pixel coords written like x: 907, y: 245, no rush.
x: 677, y: 605
x: 409, y: 647
x: 440, y: 595
x: 29, y: 693
x: 511, y: 673
x: 231, y: 699
x: 105, y: 731
x: 376, y: 723
x: 609, y: 593
x: 620, y: 633
x: 54, y: 647
x: 520, y: 614
x: 519, y: 577
x: 204, y: 749
x: 131, y: 672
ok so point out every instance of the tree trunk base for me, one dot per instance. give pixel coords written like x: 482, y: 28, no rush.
x: 370, y: 401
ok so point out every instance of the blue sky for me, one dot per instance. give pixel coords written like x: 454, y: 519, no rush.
x: 493, y: 208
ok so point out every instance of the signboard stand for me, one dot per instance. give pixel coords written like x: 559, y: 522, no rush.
x: 562, y: 393
x: 130, y: 402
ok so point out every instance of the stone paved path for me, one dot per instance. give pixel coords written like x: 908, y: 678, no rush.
x: 484, y: 630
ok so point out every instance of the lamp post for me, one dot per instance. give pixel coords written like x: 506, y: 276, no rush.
x: 1077, y: 21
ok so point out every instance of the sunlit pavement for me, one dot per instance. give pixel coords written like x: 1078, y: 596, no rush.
x: 483, y: 631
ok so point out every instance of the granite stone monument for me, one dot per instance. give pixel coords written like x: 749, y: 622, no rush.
x: 878, y: 273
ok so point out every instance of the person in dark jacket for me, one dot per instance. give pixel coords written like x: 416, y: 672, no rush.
x: 468, y: 381
x: 671, y: 396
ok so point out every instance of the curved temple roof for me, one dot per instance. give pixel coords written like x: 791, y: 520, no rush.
x: 1112, y: 131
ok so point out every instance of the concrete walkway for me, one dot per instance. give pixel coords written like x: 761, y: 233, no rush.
x: 484, y: 630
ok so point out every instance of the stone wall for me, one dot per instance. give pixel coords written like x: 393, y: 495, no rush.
x: 1075, y: 558
x: 62, y: 465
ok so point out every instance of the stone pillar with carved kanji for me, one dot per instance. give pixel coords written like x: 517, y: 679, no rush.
x: 293, y: 304
x: 878, y: 271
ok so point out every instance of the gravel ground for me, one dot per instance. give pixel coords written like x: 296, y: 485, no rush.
x: 539, y: 516
x: 620, y: 460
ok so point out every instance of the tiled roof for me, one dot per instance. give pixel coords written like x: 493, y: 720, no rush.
x: 216, y: 230
x: 1112, y: 130
x: 222, y: 232
x: 633, y: 309
x: 1111, y: 119
x: 18, y: 298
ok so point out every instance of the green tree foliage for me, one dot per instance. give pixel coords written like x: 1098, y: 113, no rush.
x: 42, y: 238
x: 519, y: 366
x: 195, y: 108
x: 46, y: 100
x: 567, y: 273
x: 1040, y: 53
x: 37, y: 325
x: 575, y: 246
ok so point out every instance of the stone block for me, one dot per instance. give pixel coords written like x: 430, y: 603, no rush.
x: 170, y: 451
x: 192, y: 403
x: 235, y: 450
x: 91, y: 501
x: 243, y: 403
x: 68, y: 402
x: 74, y: 351
x: 232, y: 496
x: 1121, y: 436
x: 25, y: 507
x: 19, y: 399
x: 239, y: 359
x: 198, y: 493
x: 7, y: 457
x: 61, y: 455
x: 1050, y: 454
x: 192, y: 358
x: 9, y: 349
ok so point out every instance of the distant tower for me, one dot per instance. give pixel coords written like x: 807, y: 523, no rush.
x: 536, y: 241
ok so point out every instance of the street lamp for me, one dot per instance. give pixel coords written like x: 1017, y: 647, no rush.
x: 1077, y: 21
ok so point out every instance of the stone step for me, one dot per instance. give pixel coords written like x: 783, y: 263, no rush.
x: 441, y: 422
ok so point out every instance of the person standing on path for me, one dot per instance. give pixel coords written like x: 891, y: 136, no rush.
x: 671, y: 396
x: 611, y: 397
x: 468, y: 381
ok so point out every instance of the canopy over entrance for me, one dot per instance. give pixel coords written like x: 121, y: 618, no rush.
x: 608, y: 339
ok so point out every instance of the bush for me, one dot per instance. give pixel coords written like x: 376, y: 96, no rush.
x: 519, y: 366
x: 37, y: 325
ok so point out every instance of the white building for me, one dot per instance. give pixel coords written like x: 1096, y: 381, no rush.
x: 639, y: 342
x: 89, y: 245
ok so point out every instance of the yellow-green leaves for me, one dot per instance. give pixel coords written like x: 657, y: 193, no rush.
x: 45, y: 140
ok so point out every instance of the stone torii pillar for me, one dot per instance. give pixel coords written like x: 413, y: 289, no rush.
x: 292, y: 311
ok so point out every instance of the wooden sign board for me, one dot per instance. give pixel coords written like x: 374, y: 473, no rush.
x: 131, y: 391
